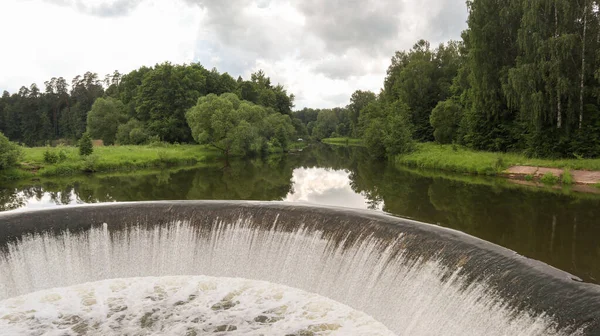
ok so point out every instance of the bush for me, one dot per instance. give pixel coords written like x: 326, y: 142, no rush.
x: 89, y: 163
x: 62, y: 155
x: 55, y: 156
x: 10, y: 152
x: 132, y: 133
x: 86, y: 147
x: 138, y: 136
x: 567, y: 177
x: 549, y: 179
x: 50, y: 156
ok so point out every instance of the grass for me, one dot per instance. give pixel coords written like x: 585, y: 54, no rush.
x: 567, y: 177
x: 458, y: 159
x: 113, y: 158
x: 549, y: 179
x: 343, y: 141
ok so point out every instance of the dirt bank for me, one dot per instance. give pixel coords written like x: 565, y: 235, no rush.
x: 583, y: 177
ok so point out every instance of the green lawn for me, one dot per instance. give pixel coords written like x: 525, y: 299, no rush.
x: 343, y: 141
x: 462, y: 160
x: 114, y: 158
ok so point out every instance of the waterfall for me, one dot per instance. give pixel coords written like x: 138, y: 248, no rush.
x: 414, y: 278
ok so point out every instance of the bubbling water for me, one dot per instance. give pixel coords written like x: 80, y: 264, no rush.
x: 182, y: 305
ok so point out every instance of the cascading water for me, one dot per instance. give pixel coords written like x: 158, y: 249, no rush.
x: 414, y: 278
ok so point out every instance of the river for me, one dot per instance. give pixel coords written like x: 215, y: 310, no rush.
x: 558, y: 227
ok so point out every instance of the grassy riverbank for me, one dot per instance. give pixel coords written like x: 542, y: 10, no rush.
x: 108, y: 159
x: 462, y: 160
x: 113, y: 159
x: 343, y: 141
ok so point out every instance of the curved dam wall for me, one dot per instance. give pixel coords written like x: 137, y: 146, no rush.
x: 415, y: 278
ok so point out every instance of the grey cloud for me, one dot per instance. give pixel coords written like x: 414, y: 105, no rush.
x: 234, y: 28
x: 107, y: 9
x: 346, y: 24
x: 449, y: 21
x: 229, y: 58
x: 368, y: 30
x: 331, y: 27
x: 334, y: 100
x: 340, y: 68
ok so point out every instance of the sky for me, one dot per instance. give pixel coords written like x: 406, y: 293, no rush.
x: 320, y: 50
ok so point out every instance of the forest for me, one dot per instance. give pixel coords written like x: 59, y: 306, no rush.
x: 147, y: 104
x: 524, y: 78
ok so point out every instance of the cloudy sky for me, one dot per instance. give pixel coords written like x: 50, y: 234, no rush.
x: 321, y: 50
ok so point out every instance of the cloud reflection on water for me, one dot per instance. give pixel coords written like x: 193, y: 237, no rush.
x: 326, y: 187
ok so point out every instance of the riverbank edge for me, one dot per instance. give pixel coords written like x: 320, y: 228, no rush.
x: 457, y: 159
x: 509, y: 165
x: 114, y: 159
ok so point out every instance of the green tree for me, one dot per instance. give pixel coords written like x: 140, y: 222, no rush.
x: 358, y: 101
x: 398, y: 138
x: 131, y: 133
x: 237, y: 127
x: 387, y: 128
x: 9, y: 153
x: 300, y: 128
x: 86, y: 147
x: 372, y: 122
x: 35, y: 125
x: 84, y: 92
x: 280, y: 127
x: 129, y: 86
x: 421, y: 78
x: 325, y: 125
x: 104, y: 119
x: 166, y: 93
x: 445, y: 119
x: 493, y: 30
x: 214, y: 119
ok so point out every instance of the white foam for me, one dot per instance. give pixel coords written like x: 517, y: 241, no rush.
x: 183, y: 305
x: 409, y: 298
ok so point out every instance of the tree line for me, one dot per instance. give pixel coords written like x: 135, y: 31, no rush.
x: 524, y: 78
x: 147, y: 104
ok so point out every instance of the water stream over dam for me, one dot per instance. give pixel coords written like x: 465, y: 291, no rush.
x: 413, y: 278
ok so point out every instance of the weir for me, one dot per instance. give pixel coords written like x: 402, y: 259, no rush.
x: 414, y: 278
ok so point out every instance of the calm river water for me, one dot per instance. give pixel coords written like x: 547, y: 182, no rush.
x: 556, y: 227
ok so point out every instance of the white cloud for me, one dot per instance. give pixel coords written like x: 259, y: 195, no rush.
x: 44, y: 40
x: 320, y: 50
